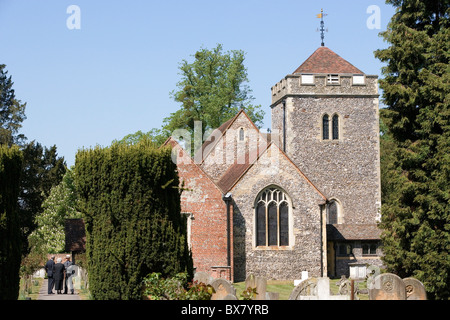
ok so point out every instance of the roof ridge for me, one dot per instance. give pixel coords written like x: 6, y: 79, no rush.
x: 325, y: 60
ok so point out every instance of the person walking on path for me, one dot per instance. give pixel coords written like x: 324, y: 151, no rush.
x: 59, y: 272
x: 49, y: 268
x: 67, y: 264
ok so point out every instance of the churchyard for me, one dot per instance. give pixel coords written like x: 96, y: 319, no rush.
x: 384, y: 286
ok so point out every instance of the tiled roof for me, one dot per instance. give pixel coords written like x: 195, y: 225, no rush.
x: 324, y: 60
x: 75, y: 235
x: 232, y: 175
x: 353, y: 232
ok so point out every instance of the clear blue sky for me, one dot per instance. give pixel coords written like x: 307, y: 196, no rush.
x: 89, y: 86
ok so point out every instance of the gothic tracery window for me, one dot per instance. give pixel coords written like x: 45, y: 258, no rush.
x: 272, y: 218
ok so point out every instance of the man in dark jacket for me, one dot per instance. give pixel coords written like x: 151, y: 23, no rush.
x: 49, y: 269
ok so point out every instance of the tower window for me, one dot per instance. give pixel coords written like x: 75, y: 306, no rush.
x: 326, y: 127
x: 335, y: 127
x: 272, y: 218
x: 307, y: 79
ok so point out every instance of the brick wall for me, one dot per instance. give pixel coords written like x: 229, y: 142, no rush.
x: 202, y: 200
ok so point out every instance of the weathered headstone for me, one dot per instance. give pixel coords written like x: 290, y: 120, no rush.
x: 387, y: 286
x: 415, y: 290
x: 259, y: 283
x: 307, y: 287
x: 203, y: 277
x: 222, y: 289
x: 315, y: 289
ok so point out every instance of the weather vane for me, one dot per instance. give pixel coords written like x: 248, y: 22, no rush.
x: 322, y: 26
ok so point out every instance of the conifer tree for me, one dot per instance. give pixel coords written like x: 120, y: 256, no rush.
x: 416, y: 90
x: 12, y: 111
x: 10, y: 246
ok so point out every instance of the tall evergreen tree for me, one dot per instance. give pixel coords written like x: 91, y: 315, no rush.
x: 12, y: 111
x: 416, y: 90
x: 10, y: 246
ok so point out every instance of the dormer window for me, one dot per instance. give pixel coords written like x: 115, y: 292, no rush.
x: 333, y: 79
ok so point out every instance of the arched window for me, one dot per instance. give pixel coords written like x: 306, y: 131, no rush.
x: 333, y: 213
x: 241, y: 134
x: 326, y: 127
x: 335, y: 127
x: 272, y: 218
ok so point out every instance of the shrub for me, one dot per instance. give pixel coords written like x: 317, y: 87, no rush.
x: 130, y: 202
x: 175, y: 288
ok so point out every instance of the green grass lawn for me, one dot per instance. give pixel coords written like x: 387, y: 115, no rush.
x: 33, y: 290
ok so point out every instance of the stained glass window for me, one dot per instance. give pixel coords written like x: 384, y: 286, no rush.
x: 272, y: 218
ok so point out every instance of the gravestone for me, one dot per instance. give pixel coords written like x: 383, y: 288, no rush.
x: 387, y: 286
x: 415, y: 290
x: 307, y: 287
x: 203, y: 277
x: 259, y: 283
x: 223, y: 289
x: 315, y: 289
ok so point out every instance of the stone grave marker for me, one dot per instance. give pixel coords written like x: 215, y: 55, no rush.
x: 307, y: 287
x: 203, y: 277
x: 259, y: 283
x: 315, y: 289
x: 387, y: 286
x: 223, y: 289
x: 415, y: 290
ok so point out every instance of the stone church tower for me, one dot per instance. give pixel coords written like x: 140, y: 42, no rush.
x: 326, y: 115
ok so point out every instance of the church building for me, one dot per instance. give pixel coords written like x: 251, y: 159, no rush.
x: 304, y: 197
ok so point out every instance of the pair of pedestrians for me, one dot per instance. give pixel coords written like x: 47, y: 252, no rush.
x: 59, y: 274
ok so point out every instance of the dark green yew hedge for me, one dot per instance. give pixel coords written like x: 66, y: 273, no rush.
x: 131, y: 206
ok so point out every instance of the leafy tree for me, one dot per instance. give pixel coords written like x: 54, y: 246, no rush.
x: 212, y: 90
x: 416, y: 90
x: 61, y: 204
x: 12, y: 111
x: 155, y: 136
x: 42, y: 170
x: 10, y: 246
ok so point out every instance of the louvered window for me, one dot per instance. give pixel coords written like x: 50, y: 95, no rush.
x: 333, y: 79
